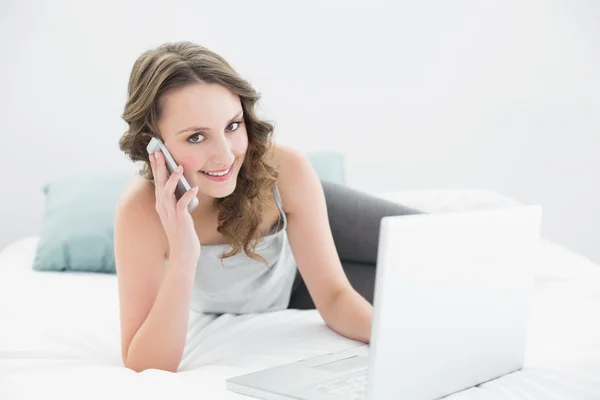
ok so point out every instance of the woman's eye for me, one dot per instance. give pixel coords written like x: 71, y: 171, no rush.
x: 238, y: 123
x: 198, y: 138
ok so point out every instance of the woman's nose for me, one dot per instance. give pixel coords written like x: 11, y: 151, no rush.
x: 223, y: 154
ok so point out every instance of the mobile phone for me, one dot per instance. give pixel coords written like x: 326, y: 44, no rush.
x: 182, y: 185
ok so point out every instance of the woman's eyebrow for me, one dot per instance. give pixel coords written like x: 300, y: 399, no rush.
x: 201, y: 128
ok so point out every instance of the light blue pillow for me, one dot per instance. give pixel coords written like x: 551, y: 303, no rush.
x: 329, y: 166
x: 77, y: 228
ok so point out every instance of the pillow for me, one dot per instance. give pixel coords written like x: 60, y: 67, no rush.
x: 329, y: 166
x: 449, y: 200
x: 77, y: 227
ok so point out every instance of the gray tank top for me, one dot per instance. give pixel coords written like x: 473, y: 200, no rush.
x: 240, y: 284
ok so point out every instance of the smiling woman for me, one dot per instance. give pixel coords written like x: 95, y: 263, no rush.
x: 260, y: 232
x: 213, y: 143
x: 194, y: 101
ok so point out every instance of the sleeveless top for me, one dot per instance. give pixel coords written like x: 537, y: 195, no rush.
x: 240, y: 284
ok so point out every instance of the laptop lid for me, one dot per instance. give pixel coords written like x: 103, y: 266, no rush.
x: 451, y: 300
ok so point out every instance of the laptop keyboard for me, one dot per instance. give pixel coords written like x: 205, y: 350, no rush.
x: 352, y: 386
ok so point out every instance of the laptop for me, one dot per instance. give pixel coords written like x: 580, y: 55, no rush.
x: 450, y: 312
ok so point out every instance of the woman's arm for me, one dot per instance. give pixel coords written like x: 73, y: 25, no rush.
x: 154, y: 301
x: 343, y: 309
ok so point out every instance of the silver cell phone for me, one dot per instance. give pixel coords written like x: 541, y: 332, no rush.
x: 182, y: 185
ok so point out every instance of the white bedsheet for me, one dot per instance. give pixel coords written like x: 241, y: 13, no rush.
x: 59, y: 336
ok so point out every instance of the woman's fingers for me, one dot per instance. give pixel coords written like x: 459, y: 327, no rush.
x: 182, y: 204
x: 160, y: 176
x: 171, y: 184
x: 154, y: 173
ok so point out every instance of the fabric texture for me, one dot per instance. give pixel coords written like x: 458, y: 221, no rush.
x: 240, y: 284
x: 354, y: 218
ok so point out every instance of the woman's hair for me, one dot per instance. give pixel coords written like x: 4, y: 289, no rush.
x: 173, y: 66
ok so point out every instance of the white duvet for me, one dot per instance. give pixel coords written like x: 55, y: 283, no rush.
x: 59, y: 335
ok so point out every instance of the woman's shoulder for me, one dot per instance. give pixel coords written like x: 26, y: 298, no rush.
x: 294, y: 174
x: 282, y: 155
x: 139, y: 192
x: 288, y: 161
x: 137, y: 205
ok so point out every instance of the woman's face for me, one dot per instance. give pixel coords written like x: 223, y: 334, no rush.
x: 204, y: 130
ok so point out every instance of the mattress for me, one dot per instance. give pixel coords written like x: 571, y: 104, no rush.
x: 59, y: 337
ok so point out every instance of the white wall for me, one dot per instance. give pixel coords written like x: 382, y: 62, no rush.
x: 496, y: 95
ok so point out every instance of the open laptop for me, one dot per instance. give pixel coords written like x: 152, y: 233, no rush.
x: 450, y: 312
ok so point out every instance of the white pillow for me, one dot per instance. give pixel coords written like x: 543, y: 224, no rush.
x: 448, y: 200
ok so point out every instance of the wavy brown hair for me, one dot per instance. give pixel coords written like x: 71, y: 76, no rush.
x: 170, y: 67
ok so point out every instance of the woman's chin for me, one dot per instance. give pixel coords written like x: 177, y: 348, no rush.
x: 223, y: 192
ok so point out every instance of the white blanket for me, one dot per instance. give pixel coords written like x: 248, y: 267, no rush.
x: 59, y: 337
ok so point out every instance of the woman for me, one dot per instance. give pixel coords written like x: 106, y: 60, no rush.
x: 260, y: 239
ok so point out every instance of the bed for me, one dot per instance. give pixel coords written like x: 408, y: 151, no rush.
x: 59, y: 332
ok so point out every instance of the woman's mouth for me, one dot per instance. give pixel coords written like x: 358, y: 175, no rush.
x: 218, y: 176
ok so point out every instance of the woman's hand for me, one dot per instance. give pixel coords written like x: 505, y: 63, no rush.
x: 174, y: 215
